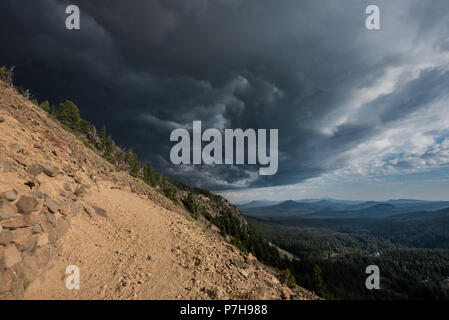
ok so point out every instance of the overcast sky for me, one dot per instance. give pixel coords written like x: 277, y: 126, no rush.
x: 362, y: 114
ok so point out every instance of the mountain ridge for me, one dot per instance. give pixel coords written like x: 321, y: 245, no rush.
x: 342, y: 209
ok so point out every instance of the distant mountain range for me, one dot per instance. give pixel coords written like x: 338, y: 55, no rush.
x: 331, y: 208
x: 257, y: 204
x: 267, y: 203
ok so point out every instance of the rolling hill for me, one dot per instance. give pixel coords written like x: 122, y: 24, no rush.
x: 341, y: 209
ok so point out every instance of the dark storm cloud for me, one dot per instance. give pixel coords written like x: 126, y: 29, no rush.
x: 147, y: 67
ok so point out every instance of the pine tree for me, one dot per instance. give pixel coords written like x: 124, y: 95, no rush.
x: 109, y: 145
x: 192, y: 205
x: 148, y: 175
x: 109, y: 150
x: 85, y: 126
x: 68, y: 114
x: 133, y: 162
x: 103, y: 137
x: 318, y: 284
x: 45, y: 106
x: 288, y: 278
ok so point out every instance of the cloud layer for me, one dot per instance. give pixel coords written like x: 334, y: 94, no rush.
x: 347, y: 101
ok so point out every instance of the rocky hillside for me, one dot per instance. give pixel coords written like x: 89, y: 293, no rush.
x: 133, y: 233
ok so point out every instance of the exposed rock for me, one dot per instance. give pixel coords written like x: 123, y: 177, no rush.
x: 238, y: 262
x: 45, y: 225
x: 50, y: 170
x: 90, y: 211
x: 6, y: 279
x: 13, y: 223
x: 46, y: 188
x: 7, y: 211
x: 43, y: 255
x: 34, y: 170
x: 250, y: 259
x: 5, y: 237
x: 42, y: 239
x: 51, y: 205
x: 12, y: 256
x: 20, y: 221
x: 11, y: 195
x: 27, y: 204
x: 51, y: 219
x: 286, y: 293
x: 2, y: 252
x: 14, y: 147
x: 244, y: 273
x: 24, y: 240
x: 61, y: 228
x: 30, y: 268
x: 37, y: 229
x: 76, y: 208
x: 17, y: 288
x: 38, y: 194
x: 32, y: 219
x: 70, y: 208
x: 100, y: 211
x: 52, y: 235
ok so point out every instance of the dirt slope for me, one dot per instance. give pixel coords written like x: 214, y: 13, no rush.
x: 141, y: 246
